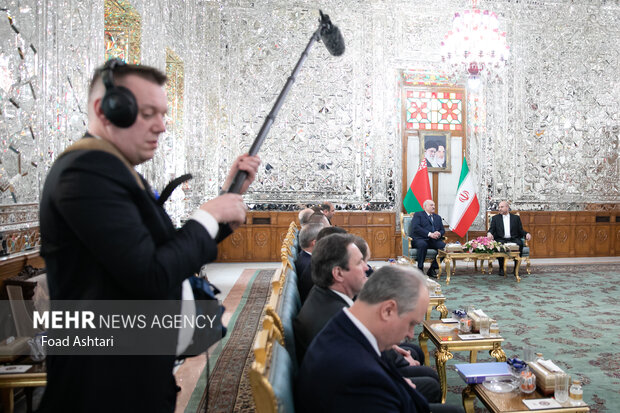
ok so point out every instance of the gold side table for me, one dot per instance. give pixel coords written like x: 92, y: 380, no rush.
x: 437, y: 302
x: 509, y: 402
x: 450, y: 342
x: 36, y: 376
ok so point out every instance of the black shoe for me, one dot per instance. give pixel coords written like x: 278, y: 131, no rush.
x: 431, y: 273
x: 501, y: 272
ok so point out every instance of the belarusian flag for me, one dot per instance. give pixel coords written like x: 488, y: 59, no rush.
x: 466, y: 205
x: 419, y: 190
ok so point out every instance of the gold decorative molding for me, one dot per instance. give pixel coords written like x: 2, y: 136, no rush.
x: 123, y: 31
x: 175, y: 89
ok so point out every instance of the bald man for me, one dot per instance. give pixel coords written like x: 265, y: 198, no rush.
x: 506, y: 227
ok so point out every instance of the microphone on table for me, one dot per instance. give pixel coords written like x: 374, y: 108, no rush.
x: 334, y: 43
x: 444, y: 221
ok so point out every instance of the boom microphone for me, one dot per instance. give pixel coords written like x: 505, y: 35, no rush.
x: 331, y: 36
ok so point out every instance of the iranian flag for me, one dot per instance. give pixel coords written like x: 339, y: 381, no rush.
x: 466, y: 205
x: 419, y: 190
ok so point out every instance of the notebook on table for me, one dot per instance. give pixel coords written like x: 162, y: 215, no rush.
x: 474, y: 373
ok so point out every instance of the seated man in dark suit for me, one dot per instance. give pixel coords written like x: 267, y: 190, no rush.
x: 305, y: 283
x: 319, y: 218
x: 365, y: 250
x: 307, y: 239
x: 337, y: 263
x: 328, y: 210
x: 344, y: 370
x: 338, y: 272
x: 426, y: 231
x: 506, y: 227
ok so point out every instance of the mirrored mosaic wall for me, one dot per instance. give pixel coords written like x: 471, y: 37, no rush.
x: 546, y: 136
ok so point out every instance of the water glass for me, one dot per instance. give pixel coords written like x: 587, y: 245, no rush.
x: 529, y: 354
x: 561, y: 387
x: 485, y: 324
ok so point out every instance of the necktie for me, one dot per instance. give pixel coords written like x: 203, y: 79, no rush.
x: 432, y: 223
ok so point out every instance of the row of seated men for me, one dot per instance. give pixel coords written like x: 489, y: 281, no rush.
x: 427, y: 231
x: 349, y: 332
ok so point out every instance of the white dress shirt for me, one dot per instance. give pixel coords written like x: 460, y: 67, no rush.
x: 365, y: 331
x: 506, y: 219
x: 344, y: 297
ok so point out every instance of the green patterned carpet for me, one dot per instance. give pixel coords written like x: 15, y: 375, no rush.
x: 570, y: 313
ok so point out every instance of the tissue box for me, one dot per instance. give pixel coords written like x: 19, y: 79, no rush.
x: 512, y: 246
x: 545, y: 379
x: 454, y: 248
x: 475, y: 322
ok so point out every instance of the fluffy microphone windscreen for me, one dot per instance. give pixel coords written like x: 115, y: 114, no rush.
x: 333, y: 40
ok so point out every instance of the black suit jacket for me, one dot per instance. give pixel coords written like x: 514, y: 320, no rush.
x: 421, y: 225
x: 105, y: 237
x: 341, y: 372
x: 305, y: 283
x: 516, y: 228
x: 302, y: 261
x: 317, y: 310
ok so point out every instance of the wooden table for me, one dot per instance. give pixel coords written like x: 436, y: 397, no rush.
x: 449, y: 342
x: 35, y: 377
x: 509, y: 402
x: 449, y: 259
x: 437, y: 302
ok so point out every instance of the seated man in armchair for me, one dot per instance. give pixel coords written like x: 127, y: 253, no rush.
x: 506, y: 227
x: 426, y: 231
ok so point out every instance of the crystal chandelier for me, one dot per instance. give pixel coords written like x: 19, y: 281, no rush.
x: 475, y: 45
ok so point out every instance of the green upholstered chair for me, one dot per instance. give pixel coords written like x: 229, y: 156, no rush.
x: 272, y: 375
x: 288, y: 308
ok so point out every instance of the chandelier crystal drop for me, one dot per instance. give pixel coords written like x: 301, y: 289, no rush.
x: 475, y: 45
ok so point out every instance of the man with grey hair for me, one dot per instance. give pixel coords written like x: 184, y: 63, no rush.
x: 304, y: 215
x: 426, y: 231
x: 343, y: 369
x: 307, y: 240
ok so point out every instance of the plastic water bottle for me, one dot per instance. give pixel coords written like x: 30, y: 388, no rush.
x: 576, y: 393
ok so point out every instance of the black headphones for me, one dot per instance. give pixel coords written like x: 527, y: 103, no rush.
x: 118, y: 104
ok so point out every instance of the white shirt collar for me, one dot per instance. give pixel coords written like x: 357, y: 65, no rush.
x: 345, y: 297
x: 506, y: 220
x: 365, y: 332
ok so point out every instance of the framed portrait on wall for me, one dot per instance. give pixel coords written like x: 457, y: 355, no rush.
x: 435, y: 147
